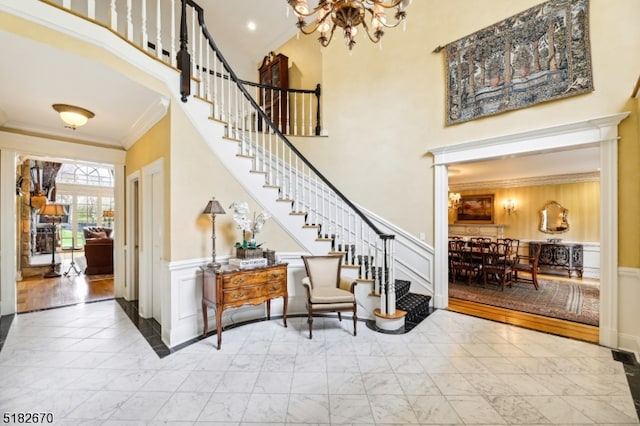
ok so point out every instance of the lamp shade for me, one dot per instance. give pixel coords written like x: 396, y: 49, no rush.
x: 54, y: 210
x: 213, y: 207
x: 108, y: 213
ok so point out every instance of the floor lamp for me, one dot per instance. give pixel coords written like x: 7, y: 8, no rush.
x: 54, y: 214
x: 213, y: 208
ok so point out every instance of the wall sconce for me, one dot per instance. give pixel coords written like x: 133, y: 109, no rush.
x: 509, y: 206
x: 73, y: 116
x: 213, y: 208
x: 454, y: 200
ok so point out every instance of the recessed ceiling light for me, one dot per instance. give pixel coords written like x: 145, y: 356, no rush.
x: 251, y: 25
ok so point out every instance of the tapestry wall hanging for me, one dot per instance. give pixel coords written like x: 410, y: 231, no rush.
x: 539, y: 55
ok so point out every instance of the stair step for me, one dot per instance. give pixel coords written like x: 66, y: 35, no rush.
x: 416, y: 306
x: 402, y: 288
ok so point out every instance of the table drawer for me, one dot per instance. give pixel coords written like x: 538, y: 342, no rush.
x: 255, y: 291
x: 244, y: 279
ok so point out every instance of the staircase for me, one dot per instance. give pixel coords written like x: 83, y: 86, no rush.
x: 261, y: 158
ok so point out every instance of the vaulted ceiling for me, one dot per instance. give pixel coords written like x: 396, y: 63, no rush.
x: 29, y: 85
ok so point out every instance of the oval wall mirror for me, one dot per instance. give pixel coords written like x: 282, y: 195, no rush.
x: 553, y: 218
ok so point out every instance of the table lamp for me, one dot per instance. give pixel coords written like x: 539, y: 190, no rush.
x: 213, y: 208
x: 54, y: 213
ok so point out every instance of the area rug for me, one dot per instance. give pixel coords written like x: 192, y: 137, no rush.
x: 566, y: 300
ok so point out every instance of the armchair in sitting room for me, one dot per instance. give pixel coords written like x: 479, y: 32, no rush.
x: 98, y: 250
x: 327, y: 291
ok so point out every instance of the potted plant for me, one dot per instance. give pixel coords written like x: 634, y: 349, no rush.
x: 248, y: 248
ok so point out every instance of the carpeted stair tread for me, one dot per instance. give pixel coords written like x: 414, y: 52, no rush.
x: 416, y: 306
x: 402, y: 288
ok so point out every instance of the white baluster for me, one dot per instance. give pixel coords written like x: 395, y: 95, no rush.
x: 158, y: 30
x: 113, y: 16
x: 91, y: 9
x: 310, y: 114
x: 129, y: 34
x: 295, y: 113
x: 173, y: 40
x: 66, y: 4
x: 145, y: 34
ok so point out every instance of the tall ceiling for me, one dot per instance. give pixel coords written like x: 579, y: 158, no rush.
x: 30, y: 85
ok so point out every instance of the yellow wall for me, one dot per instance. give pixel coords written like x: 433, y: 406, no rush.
x: 581, y: 199
x: 152, y: 146
x: 384, y: 109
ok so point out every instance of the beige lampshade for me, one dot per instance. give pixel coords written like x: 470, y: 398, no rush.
x: 53, y: 210
x: 213, y: 207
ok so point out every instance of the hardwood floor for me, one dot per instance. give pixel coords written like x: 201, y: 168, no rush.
x: 36, y: 293
x: 574, y: 330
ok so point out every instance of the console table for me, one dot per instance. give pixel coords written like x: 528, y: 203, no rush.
x: 559, y: 256
x: 231, y: 288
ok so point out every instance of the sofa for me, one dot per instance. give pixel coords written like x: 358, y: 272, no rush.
x: 98, y: 250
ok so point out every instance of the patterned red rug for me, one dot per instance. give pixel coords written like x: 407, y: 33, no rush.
x: 556, y: 299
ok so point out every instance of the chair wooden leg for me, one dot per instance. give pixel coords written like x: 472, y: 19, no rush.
x: 355, y: 320
x: 340, y: 316
x: 310, y: 322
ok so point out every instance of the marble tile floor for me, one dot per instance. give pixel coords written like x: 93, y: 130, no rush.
x: 89, y: 365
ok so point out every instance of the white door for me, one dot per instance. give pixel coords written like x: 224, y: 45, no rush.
x: 156, y: 245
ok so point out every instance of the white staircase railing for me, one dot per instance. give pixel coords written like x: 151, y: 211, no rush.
x: 163, y: 28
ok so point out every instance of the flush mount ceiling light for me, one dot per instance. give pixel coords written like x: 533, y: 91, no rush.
x: 348, y: 15
x: 73, y: 116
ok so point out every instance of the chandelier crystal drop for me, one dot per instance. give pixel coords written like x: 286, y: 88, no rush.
x: 348, y: 15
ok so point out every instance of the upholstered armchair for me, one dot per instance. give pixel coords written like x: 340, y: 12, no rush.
x: 98, y: 250
x: 327, y: 290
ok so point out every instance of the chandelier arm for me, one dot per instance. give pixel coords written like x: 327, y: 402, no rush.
x: 390, y: 5
x: 324, y: 41
x: 307, y: 29
x: 375, y: 38
x: 311, y: 12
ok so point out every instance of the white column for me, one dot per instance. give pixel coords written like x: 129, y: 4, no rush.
x: 441, y: 234
x: 608, y: 325
x: 8, y: 232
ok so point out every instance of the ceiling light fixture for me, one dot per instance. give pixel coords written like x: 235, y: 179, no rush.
x: 348, y: 15
x: 73, y: 116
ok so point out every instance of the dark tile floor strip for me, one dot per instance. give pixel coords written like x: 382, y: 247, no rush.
x: 632, y: 371
x: 5, y: 324
x: 149, y: 328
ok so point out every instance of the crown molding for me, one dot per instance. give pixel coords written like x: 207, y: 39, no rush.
x: 530, y: 181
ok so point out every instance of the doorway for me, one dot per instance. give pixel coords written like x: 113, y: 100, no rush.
x: 601, y: 132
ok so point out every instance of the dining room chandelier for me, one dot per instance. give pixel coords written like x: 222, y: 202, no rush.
x: 348, y: 15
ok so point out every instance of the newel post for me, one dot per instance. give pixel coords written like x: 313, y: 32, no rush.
x: 183, y: 57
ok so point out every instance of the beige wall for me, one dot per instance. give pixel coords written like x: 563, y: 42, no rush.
x: 197, y: 175
x: 581, y: 199
x: 389, y: 104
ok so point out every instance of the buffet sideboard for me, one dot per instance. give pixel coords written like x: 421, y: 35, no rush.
x: 556, y: 256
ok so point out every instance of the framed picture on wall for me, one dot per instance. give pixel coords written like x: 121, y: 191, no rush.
x: 476, y: 209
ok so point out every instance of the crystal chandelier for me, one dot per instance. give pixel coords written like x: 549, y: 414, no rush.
x: 348, y: 15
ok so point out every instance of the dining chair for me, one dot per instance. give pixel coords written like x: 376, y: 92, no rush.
x: 495, y: 261
x: 464, y: 260
x: 528, y: 264
x: 327, y: 290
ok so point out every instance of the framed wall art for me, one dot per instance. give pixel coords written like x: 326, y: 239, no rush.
x: 538, y: 55
x: 476, y: 209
